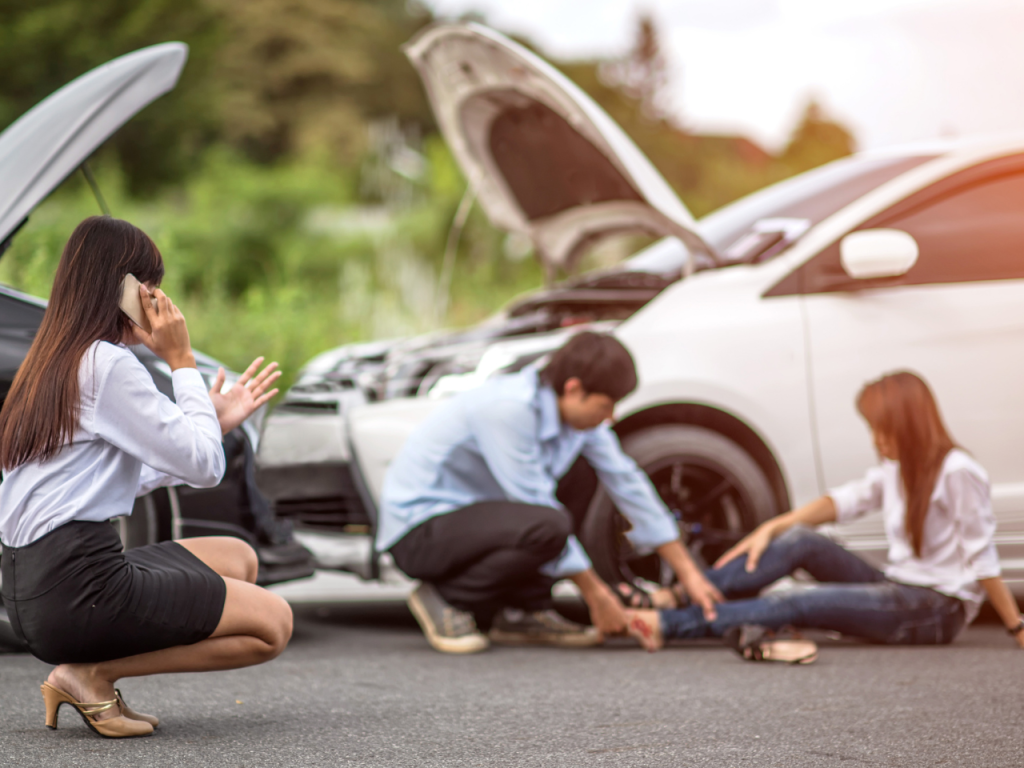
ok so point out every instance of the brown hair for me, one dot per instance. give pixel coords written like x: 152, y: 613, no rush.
x: 600, y: 361
x: 41, y: 411
x: 901, y: 407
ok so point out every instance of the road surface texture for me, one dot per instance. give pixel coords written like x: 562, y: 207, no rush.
x: 360, y: 686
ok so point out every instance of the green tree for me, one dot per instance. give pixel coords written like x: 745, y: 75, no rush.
x: 816, y: 140
x: 46, y: 43
x: 302, y: 75
x: 271, y: 77
x: 643, y: 73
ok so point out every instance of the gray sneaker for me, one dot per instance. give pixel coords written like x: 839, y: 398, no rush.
x: 516, y: 627
x: 448, y: 629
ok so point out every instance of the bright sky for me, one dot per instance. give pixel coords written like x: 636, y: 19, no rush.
x: 892, y: 70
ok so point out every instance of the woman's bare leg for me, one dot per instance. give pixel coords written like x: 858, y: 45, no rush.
x: 255, y: 627
x: 229, y: 557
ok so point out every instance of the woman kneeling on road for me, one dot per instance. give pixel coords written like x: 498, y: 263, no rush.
x: 942, y: 560
x: 82, y: 433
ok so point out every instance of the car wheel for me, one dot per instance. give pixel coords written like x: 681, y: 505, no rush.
x: 713, y: 488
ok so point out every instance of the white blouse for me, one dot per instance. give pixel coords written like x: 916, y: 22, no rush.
x: 130, y: 440
x: 957, y: 547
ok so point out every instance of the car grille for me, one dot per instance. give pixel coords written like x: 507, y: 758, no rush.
x: 329, y: 512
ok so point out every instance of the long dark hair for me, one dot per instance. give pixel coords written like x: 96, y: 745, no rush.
x: 41, y: 411
x: 901, y: 407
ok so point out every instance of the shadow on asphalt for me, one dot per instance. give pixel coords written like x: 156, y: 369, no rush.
x: 314, y: 620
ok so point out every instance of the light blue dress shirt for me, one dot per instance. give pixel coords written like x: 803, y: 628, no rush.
x: 505, y: 441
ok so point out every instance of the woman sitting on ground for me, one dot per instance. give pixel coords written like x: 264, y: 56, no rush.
x: 938, y: 519
x: 82, y: 433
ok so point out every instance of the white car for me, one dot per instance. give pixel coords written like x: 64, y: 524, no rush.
x: 789, y: 301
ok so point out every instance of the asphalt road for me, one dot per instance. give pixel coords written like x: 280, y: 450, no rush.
x: 360, y: 686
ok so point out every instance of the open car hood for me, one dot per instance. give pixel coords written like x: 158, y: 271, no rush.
x: 542, y: 156
x: 46, y: 144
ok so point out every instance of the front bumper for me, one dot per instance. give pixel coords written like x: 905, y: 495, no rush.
x: 304, y: 464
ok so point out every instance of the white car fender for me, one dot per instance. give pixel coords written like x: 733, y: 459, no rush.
x: 377, y: 433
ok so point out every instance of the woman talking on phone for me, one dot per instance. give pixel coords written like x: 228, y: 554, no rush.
x: 84, y: 431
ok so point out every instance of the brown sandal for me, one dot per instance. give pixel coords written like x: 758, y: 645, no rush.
x: 756, y: 643
x: 120, y: 727
x: 131, y: 714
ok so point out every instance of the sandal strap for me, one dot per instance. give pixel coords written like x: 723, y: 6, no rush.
x: 634, y: 592
x: 96, y: 707
x: 747, y: 640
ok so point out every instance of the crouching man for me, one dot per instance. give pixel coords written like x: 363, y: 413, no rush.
x: 473, y: 508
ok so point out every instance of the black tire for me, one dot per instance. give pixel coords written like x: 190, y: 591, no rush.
x: 716, y: 491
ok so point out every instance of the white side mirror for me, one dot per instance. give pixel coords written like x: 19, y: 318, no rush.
x: 877, y: 253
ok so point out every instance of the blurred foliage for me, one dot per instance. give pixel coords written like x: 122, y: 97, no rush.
x: 304, y: 74
x: 294, y: 179
x: 284, y: 260
x: 46, y: 43
x: 271, y: 78
x: 817, y: 140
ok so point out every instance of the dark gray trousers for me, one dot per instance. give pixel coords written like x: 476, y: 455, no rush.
x: 488, y: 555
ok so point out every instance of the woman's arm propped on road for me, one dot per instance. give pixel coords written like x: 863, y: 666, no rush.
x: 1005, y: 604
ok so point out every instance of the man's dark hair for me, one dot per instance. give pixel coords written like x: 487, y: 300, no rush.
x: 599, y: 361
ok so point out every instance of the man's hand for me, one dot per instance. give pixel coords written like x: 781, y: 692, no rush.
x: 245, y: 396
x: 606, y: 610
x: 752, y: 545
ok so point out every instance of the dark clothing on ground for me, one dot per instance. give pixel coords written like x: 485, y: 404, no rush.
x: 486, y: 556
x: 76, y: 597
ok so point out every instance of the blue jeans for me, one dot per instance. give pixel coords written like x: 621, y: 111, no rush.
x: 852, y: 597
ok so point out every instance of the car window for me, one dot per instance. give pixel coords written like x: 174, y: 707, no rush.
x: 810, y: 197
x: 968, y: 227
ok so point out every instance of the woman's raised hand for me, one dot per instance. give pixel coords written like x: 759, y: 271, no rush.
x: 245, y: 396
x: 168, y: 338
x: 752, y: 545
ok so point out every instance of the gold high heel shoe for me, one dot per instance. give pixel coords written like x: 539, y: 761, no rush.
x: 113, y: 728
x: 131, y: 714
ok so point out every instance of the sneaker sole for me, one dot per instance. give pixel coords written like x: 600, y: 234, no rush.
x: 471, y: 644
x: 589, y: 640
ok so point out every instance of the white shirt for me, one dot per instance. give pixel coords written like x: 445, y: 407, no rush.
x: 957, y: 547
x: 130, y: 440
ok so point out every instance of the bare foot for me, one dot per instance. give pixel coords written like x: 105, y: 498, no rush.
x: 81, y: 682
x: 645, y: 626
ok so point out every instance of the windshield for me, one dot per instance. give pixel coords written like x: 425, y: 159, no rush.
x: 810, y: 197
x: 761, y: 225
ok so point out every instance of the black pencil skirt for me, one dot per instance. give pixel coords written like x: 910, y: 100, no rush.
x: 76, y: 597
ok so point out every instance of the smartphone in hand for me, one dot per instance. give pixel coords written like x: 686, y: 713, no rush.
x: 131, y: 303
